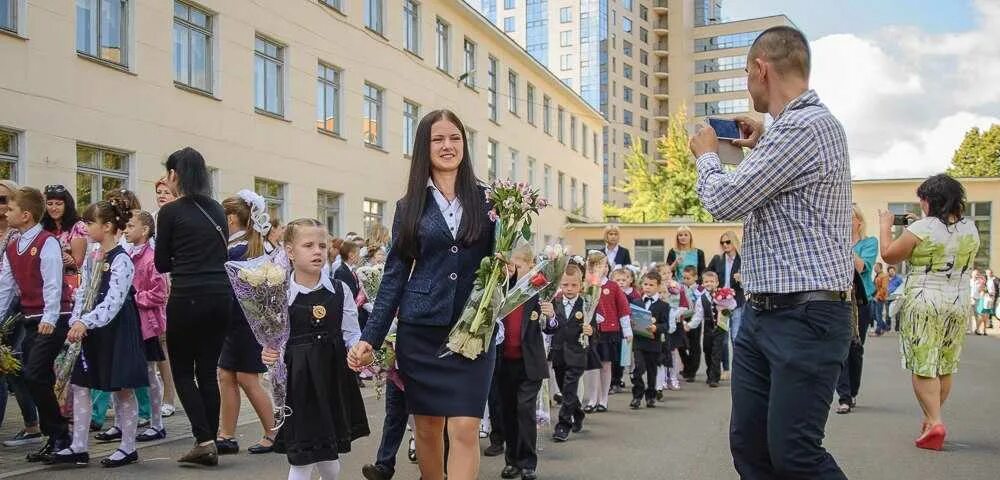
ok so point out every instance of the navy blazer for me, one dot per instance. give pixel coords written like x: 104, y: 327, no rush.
x: 532, y: 343
x: 718, y: 265
x: 566, y: 336
x: 661, y: 318
x: 622, y: 256
x: 433, y: 289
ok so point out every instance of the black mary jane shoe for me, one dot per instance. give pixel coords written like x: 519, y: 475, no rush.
x: 149, y: 437
x: 81, y: 459
x: 634, y: 404
x: 600, y: 409
x: 510, y: 471
x: 411, y: 451
x: 227, y: 446
x: 588, y: 409
x: 127, y: 459
x: 259, y: 448
x: 112, y: 434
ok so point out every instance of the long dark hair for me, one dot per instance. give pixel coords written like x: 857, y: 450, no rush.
x: 192, y: 174
x: 69, y: 218
x: 466, y: 187
x: 945, y: 197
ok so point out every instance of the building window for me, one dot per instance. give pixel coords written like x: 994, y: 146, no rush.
x: 531, y: 171
x: 8, y: 16
x: 411, y: 26
x: 99, y: 171
x: 536, y: 30
x: 979, y: 212
x: 596, y: 152
x: 373, y: 97
x: 566, y: 15
x: 373, y: 212
x: 627, y: 94
x: 328, y: 211
x: 583, y: 140
x: 470, y: 140
x: 643, y: 57
x: 470, y: 63
x: 491, y: 156
x: 411, y: 116
x: 572, y: 131
x: 721, y: 85
x: 566, y: 38
x: 269, y: 66
x: 643, y: 12
x: 572, y: 195
x: 491, y: 97
x: 586, y: 192
x: 531, y: 104
x: 8, y: 155
x: 192, y: 47
x: 374, y: 9
x: 561, y: 191
x: 547, y: 114
x: 644, y: 124
x: 721, y: 64
x: 512, y: 174
x: 335, y: 4
x: 648, y: 251
x: 643, y: 100
x: 508, y: 25
x: 566, y: 62
x: 328, y: 98
x: 627, y: 4
x: 512, y: 89
x: 102, y: 29
x: 508, y: 4
x: 627, y: 48
x: 644, y: 145
x: 626, y: 24
x: 547, y: 182
x: 739, y: 105
x: 561, y: 121
x: 627, y: 71
x: 734, y: 40
x: 627, y: 117
x: 643, y: 35
x: 443, y: 46
x: 643, y: 79
x: 274, y: 195
x: 626, y: 140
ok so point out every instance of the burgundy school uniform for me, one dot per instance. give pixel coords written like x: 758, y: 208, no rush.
x: 613, y: 306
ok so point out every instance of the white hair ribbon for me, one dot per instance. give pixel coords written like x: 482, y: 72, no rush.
x: 259, y: 218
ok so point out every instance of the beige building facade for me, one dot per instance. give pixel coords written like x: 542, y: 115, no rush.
x: 651, y: 242
x: 313, y: 103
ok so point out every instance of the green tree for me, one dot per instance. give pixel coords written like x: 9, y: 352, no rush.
x: 664, y: 188
x: 978, y: 155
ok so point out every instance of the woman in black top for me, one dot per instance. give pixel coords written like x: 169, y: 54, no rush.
x: 191, y: 247
x: 441, y: 233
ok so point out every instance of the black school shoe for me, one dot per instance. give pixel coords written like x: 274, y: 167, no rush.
x: 376, y: 472
x: 635, y: 403
x: 81, y: 459
x: 560, y: 435
x: 650, y: 403
x: 127, y: 459
x: 112, y: 434
x: 494, y: 450
x: 510, y: 472
x: 43, y: 453
x: 578, y: 424
x: 227, y: 446
x: 528, y: 474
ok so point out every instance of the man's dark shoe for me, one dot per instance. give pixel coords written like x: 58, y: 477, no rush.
x: 578, y: 423
x: 376, y: 472
x: 528, y: 474
x: 650, y: 403
x: 494, y: 450
x: 560, y: 435
x: 635, y: 404
x: 510, y: 471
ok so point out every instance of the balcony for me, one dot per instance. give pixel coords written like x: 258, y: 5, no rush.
x: 661, y: 47
x: 661, y: 27
x: 661, y: 114
x: 662, y: 91
x: 661, y: 6
x: 662, y: 69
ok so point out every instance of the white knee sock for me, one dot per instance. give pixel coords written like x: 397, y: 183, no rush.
x: 155, y: 397
x: 661, y: 377
x: 605, y: 386
x: 303, y: 472
x: 127, y: 414
x: 591, y: 382
x: 82, y: 408
x: 329, y: 470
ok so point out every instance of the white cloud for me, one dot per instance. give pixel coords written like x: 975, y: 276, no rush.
x: 906, y: 97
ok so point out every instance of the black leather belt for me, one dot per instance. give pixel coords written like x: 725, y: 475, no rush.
x: 763, y: 302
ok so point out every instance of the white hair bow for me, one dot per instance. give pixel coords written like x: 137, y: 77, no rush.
x: 259, y: 218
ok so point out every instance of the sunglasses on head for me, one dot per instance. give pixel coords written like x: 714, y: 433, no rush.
x: 55, y: 189
x: 725, y: 242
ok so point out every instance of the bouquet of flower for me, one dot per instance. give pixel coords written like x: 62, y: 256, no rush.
x: 369, y: 279
x: 725, y: 300
x: 70, y: 353
x: 9, y: 363
x: 531, y: 284
x: 514, y: 205
x: 591, y: 297
x: 383, y: 367
x: 558, y: 258
x: 261, y: 288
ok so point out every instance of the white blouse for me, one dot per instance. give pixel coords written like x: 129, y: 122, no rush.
x: 122, y: 272
x: 349, y: 323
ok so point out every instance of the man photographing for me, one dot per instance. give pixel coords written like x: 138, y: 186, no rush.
x: 793, y: 192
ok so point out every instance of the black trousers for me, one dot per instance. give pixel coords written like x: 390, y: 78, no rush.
x: 849, y: 383
x: 568, y: 380
x: 38, y: 353
x: 644, y: 373
x: 715, y: 344
x: 691, y: 356
x: 196, y: 329
x: 518, y: 398
x: 786, y: 363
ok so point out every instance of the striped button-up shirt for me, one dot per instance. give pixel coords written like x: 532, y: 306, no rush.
x: 793, y: 193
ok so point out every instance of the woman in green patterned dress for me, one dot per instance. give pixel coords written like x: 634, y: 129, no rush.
x: 940, y: 248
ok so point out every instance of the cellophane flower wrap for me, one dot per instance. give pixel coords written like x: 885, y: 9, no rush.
x: 66, y: 360
x: 10, y: 364
x: 725, y: 301
x: 370, y: 279
x: 261, y: 288
x: 531, y: 284
x: 591, y: 297
x: 514, y: 207
x: 384, y: 369
x: 558, y: 257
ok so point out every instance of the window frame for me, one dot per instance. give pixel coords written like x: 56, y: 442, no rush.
x: 411, y: 26
x: 326, y: 84
x: 470, y: 62
x: 411, y: 118
x: 375, y: 20
x: 100, y: 172
x: 276, y: 205
x: 124, y: 32
x: 279, y: 60
x: 209, y: 32
x: 379, y: 101
x: 442, y: 34
x: 324, y: 207
x: 512, y: 87
x: 12, y: 156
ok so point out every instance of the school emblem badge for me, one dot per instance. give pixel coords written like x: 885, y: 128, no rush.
x: 606, y: 291
x: 107, y: 266
x: 34, y: 251
x: 579, y: 315
x: 319, y: 311
x: 534, y: 315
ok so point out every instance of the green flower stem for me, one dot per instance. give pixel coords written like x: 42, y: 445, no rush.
x: 504, y: 243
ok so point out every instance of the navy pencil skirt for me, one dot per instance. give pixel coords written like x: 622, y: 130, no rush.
x: 453, y: 386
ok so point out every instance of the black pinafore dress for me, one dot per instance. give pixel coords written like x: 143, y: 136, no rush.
x: 113, y: 357
x: 328, y: 412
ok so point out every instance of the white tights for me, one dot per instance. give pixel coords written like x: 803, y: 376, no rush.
x: 126, y: 412
x: 328, y: 470
x: 155, y: 398
x: 596, y: 385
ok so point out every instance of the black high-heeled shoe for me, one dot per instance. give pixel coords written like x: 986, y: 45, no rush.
x: 127, y: 459
x: 112, y: 434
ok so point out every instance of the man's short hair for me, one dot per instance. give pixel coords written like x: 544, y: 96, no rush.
x: 784, y: 47
x: 709, y: 274
x: 32, y: 201
x: 693, y: 270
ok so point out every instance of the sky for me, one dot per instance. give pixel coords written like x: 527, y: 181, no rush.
x: 906, y: 78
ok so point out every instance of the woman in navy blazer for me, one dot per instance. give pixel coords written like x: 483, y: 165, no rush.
x: 441, y: 232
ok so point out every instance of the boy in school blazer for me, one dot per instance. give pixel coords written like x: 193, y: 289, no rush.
x: 647, y: 351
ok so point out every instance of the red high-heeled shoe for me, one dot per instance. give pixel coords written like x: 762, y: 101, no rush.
x: 933, y: 439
